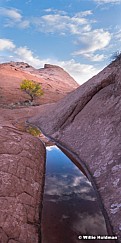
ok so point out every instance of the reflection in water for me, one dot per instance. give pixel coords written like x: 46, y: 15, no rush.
x: 70, y: 206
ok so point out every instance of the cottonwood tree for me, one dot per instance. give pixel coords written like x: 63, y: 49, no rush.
x: 32, y: 88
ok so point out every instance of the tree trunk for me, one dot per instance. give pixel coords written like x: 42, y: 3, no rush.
x: 32, y: 98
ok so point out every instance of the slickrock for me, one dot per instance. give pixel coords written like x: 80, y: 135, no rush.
x: 87, y: 124
x: 22, y: 156
x: 55, y: 83
x: 22, y: 159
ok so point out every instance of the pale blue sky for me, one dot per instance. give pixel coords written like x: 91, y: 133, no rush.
x: 78, y: 35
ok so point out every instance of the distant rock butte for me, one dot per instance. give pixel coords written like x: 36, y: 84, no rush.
x: 52, y: 66
x: 87, y: 125
x: 55, y: 82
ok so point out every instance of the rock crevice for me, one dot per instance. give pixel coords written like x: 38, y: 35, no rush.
x: 87, y: 122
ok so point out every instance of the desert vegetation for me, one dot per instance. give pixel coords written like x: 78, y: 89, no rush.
x: 34, y: 131
x: 32, y: 88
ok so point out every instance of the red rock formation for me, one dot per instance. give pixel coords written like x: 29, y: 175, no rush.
x: 55, y: 82
x: 87, y: 124
x: 22, y: 156
x: 22, y: 159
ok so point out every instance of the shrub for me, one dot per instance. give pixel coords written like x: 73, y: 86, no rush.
x: 32, y: 88
x: 33, y: 131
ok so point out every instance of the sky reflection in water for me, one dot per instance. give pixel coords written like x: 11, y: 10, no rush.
x: 70, y: 207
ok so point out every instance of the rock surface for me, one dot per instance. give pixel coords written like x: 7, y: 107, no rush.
x: 55, y: 82
x: 22, y: 160
x: 87, y: 124
x: 22, y: 156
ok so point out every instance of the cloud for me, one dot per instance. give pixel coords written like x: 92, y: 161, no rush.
x: 28, y: 2
x: 118, y: 35
x: 90, y: 223
x: 94, y: 58
x: 50, y: 148
x: 80, y: 72
x: 78, y: 26
x: 6, y: 44
x: 69, y: 181
x: 76, y: 182
x: 108, y: 1
x: 26, y: 55
x: 24, y: 24
x: 84, y: 13
x: 13, y: 18
x: 13, y: 14
x: 61, y: 23
x: 66, y: 187
x: 55, y: 11
x: 48, y: 10
x: 99, y: 40
x: 67, y: 184
x: 53, y: 21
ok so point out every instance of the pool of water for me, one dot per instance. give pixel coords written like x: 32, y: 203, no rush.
x: 70, y: 207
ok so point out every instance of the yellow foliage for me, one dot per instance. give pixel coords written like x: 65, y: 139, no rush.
x: 33, y: 131
x: 31, y: 88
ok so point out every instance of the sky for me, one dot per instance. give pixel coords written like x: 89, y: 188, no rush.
x: 78, y: 35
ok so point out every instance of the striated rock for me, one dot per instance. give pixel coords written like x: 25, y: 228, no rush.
x: 22, y: 159
x: 87, y: 125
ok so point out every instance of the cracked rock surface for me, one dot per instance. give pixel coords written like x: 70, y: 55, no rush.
x: 87, y: 123
x: 21, y: 181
